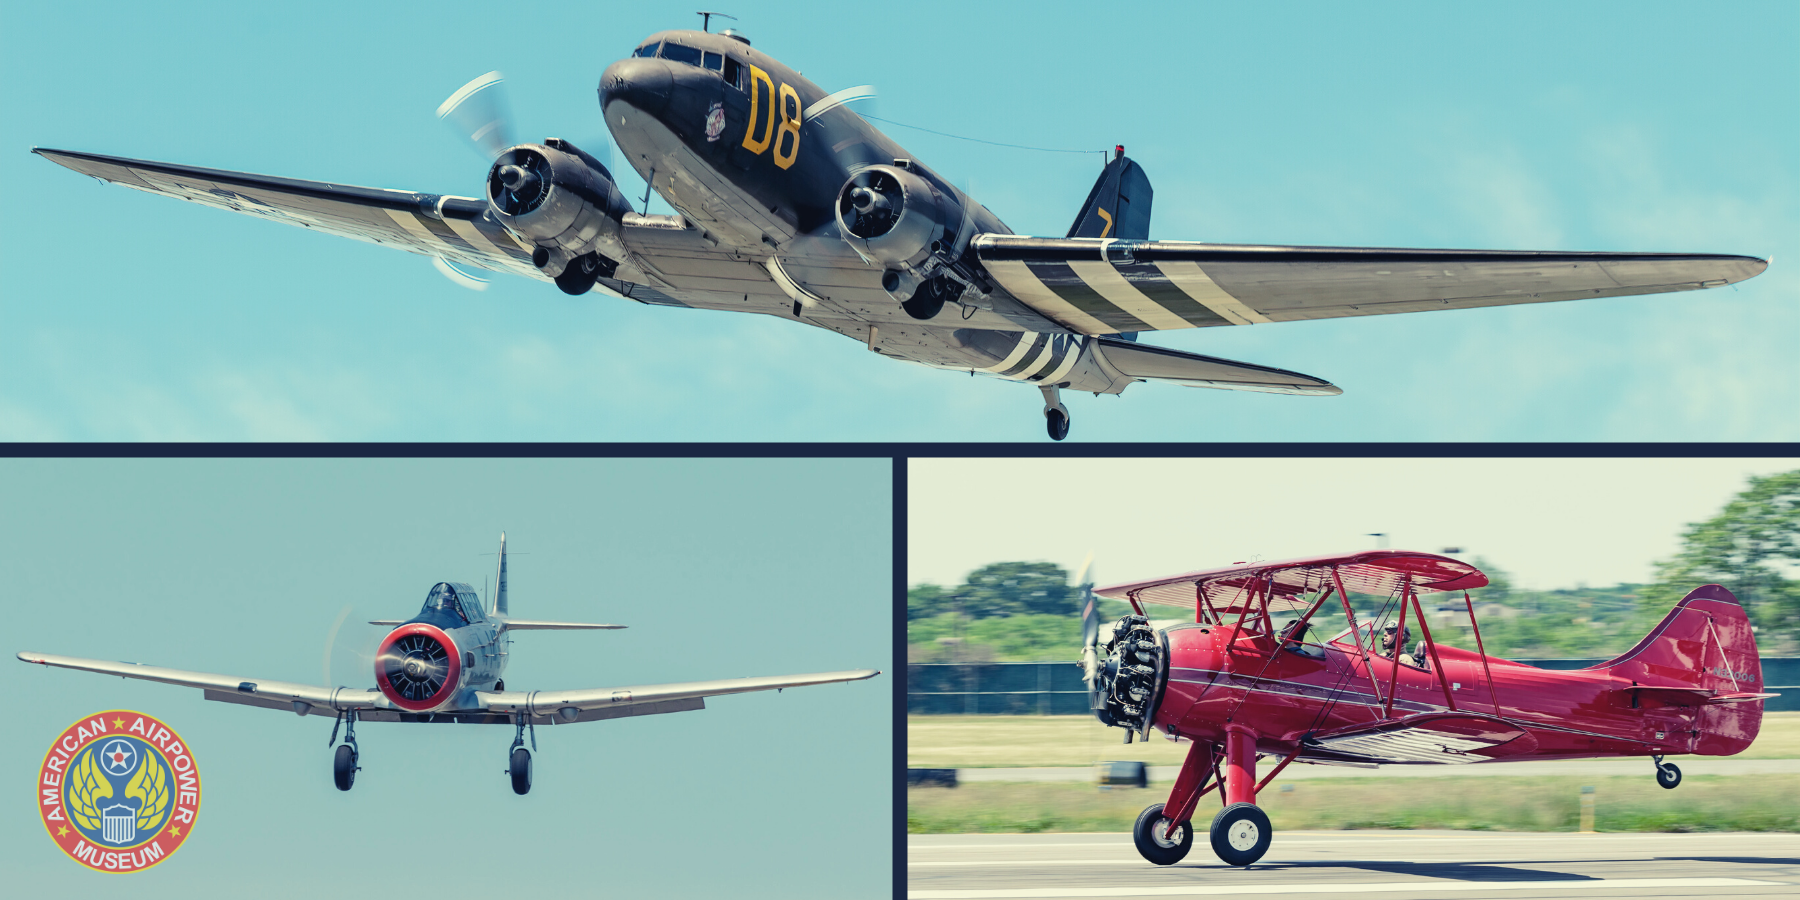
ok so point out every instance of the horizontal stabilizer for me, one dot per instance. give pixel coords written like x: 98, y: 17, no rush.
x: 531, y: 625
x: 1192, y: 369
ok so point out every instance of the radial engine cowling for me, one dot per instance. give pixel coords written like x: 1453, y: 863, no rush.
x: 560, y: 198
x: 895, y: 216
x: 418, y: 667
x: 1131, y: 676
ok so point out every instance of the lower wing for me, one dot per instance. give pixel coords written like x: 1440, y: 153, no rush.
x: 1094, y: 286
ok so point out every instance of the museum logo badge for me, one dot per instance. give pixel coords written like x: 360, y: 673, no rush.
x: 119, y: 791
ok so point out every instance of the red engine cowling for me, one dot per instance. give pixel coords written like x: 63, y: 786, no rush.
x: 418, y: 667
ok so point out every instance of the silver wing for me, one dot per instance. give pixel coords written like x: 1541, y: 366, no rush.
x: 562, y: 707
x: 297, y: 698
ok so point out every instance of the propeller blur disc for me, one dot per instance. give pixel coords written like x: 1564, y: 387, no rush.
x: 478, y: 111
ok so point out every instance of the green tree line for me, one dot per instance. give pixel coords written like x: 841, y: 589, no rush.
x: 1028, y: 611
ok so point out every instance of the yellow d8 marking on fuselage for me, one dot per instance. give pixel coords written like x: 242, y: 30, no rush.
x: 786, y: 132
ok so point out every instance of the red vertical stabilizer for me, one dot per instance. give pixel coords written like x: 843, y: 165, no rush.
x: 1702, y: 654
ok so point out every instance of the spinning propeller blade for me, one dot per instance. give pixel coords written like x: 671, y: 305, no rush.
x: 478, y: 112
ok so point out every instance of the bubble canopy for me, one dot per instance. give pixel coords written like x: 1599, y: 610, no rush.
x: 455, y: 599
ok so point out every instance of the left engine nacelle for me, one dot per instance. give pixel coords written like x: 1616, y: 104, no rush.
x: 418, y: 667
x: 562, y: 200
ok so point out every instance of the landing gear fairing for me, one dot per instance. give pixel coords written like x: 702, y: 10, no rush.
x: 792, y: 205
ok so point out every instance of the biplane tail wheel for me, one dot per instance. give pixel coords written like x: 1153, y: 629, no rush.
x: 343, y: 767
x: 521, y: 771
x: 1241, y: 834
x: 1057, y: 423
x: 1159, y: 840
x: 1667, y: 775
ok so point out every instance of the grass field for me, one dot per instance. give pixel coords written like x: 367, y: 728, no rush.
x: 1701, y: 803
x: 973, y: 742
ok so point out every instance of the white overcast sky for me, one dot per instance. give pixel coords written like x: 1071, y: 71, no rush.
x: 1550, y: 523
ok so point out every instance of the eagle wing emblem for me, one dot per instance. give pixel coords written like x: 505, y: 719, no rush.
x: 150, y: 786
x: 87, y: 786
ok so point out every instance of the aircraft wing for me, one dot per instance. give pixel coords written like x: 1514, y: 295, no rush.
x: 562, y: 707
x: 1429, y: 738
x: 1095, y: 286
x: 298, y: 698
x: 457, y: 229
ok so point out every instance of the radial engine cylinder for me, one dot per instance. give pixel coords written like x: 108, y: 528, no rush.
x: 897, y: 217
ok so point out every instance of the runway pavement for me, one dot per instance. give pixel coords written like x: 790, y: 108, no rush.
x: 1698, y: 765
x: 1408, y: 864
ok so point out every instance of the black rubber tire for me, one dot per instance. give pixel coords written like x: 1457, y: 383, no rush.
x: 1056, y: 422
x: 1161, y: 852
x: 521, y: 771
x: 573, y: 281
x: 925, y: 304
x: 343, y: 767
x: 1668, y: 776
x: 1241, y: 834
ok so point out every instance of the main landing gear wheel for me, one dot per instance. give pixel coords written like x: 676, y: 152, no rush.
x: 343, y: 767
x: 1159, y: 840
x: 521, y: 770
x: 1056, y: 422
x: 1667, y: 774
x: 1241, y: 834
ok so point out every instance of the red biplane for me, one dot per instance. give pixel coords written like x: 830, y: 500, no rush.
x: 1250, y: 678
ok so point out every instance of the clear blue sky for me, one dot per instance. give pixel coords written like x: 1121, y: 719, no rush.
x: 719, y: 568
x: 1625, y: 126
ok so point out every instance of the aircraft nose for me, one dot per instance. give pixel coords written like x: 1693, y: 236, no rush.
x: 643, y: 83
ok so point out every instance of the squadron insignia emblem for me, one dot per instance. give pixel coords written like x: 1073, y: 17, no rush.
x: 715, y: 121
x: 118, y: 791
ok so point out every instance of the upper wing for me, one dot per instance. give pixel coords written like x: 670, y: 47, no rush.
x: 299, y: 698
x: 1095, y: 286
x: 606, y: 703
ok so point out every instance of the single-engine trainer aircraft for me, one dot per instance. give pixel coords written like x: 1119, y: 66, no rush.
x: 792, y: 205
x: 1239, y: 683
x: 446, y: 665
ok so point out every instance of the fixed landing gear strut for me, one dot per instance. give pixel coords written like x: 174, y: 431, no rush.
x: 1667, y: 774
x: 519, y: 758
x: 343, y: 762
x: 1056, y: 418
x: 1240, y: 833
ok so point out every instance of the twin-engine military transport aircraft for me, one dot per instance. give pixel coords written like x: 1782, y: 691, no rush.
x: 445, y: 665
x: 1238, y: 684
x: 792, y: 205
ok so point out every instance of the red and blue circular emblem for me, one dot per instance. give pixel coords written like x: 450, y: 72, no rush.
x: 119, y: 791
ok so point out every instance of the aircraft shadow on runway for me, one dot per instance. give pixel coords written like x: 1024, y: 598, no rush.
x: 1457, y: 871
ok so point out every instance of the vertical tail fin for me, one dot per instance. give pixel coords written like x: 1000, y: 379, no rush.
x: 1119, y: 205
x: 500, y: 588
x: 1704, y: 646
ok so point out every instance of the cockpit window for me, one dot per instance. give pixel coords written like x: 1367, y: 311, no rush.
x: 648, y: 50
x: 714, y: 61
x: 443, y: 597
x: 734, y: 74
x: 680, y: 54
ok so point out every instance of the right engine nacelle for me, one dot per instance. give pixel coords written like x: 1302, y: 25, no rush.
x: 561, y: 199
x: 894, y: 216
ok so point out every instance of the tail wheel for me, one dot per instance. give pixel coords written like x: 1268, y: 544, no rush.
x: 1160, y: 841
x: 1241, y: 834
x: 1668, y: 776
x: 521, y: 771
x: 343, y: 767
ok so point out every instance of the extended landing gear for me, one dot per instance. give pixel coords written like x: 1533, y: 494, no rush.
x: 519, y: 759
x: 579, y: 275
x: 1160, y: 841
x: 1667, y: 774
x: 1240, y: 833
x: 343, y: 762
x: 1056, y: 418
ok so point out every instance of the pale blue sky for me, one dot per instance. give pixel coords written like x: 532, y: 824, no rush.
x: 720, y: 569
x: 1611, y: 126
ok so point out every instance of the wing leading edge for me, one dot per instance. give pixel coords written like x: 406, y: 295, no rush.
x: 602, y: 703
x: 1097, y: 286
